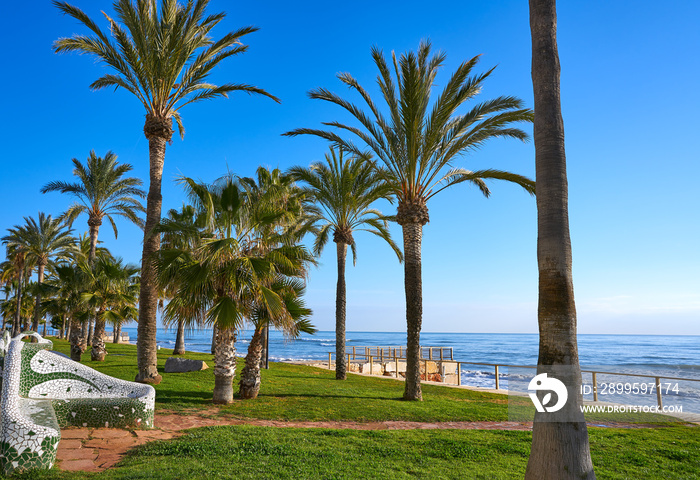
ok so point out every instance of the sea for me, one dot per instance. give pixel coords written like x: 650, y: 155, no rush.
x: 656, y: 355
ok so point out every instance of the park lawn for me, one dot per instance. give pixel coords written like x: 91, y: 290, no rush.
x: 247, y: 452
x: 297, y: 392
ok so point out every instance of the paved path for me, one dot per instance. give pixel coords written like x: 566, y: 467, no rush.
x: 96, y: 449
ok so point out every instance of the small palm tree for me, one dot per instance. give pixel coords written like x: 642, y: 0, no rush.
x: 111, y: 286
x: 43, y: 240
x: 180, y: 230
x: 229, y: 273
x: 416, y: 146
x: 162, y: 54
x: 344, y: 192
x: 293, y: 321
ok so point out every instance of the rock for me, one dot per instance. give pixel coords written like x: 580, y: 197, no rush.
x: 376, y: 368
x: 181, y: 365
x: 391, y: 366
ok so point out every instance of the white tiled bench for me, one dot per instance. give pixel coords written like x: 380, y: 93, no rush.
x: 43, y: 391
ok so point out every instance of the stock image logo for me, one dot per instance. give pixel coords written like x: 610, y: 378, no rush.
x: 543, y: 383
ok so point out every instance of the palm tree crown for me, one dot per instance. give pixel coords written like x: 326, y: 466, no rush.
x: 344, y: 191
x: 101, y: 191
x: 161, y: 54
x: 417, y: 143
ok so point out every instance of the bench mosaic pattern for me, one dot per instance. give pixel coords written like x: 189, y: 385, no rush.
x: 43, y: 391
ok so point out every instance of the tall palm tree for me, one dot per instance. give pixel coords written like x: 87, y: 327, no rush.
x: 102, y: 191
x: 560, y: 450
x: 344, y: 192
x: 112, y: 285
x: 229, y: 273
x: 417, y: 146
x: 162, y: 54
x: 42, y: 241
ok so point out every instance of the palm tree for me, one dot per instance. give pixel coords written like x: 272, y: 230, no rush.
x: 69, y: 284
x: 229, y: 273
x: 162, y: 55
x: 127, y: 313
x: 344, y: 192
x: 560, y: 450
x: 274, y: 193
x: 180, y: 230
x: 102, y: 192
x: 112, y: 285
x: 417, y: 146
x: 293, y: 321
x: 37, y: 243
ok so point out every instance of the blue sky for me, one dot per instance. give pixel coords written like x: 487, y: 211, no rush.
x: 629, y: 99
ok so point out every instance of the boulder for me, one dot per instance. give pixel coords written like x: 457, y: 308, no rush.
x: 181, y: 365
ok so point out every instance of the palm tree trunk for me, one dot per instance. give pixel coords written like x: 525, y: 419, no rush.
x: 250, y: 375
x: 37, y: 304
x: 16, y: 326
x: 224, y: 365
x: 117, y: 333
x: 91, y: 331
x: 180, y: 340
x: 560, y: 450
x: 413, y: 283
x: 213, y: 339
x: 98, y: 351
x: 66, y: 328
x: 94, y: 224
x: 340, y: 309
x: 77, y: 337
x: 158, y: 132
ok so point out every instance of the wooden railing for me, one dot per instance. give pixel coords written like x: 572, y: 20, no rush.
x: 497, y: 374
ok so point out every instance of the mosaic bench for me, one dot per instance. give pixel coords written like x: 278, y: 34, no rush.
x: 43, y: 391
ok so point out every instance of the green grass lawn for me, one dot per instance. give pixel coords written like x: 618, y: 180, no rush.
x: 305, y: 393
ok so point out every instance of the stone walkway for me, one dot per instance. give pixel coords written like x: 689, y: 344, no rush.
x: 96, y: 449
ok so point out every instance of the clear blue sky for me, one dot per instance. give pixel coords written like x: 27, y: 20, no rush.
x: 629, y: 97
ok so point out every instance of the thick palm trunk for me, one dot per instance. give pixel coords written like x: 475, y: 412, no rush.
x: 78, y: 342
x: 413, y: 283
x: 158, y: 132
x: 98, y: 351
x: 560, y: 450
x: 180, y: 340
x: 116, y: 334
x: 250, y: 375
x: 340, y: 309
x: 16, y: 325
x: 37, y: 304
x: 224, y: 365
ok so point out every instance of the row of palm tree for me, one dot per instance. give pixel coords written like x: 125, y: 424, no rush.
x: 69, y: 287
x: 163, y: 54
